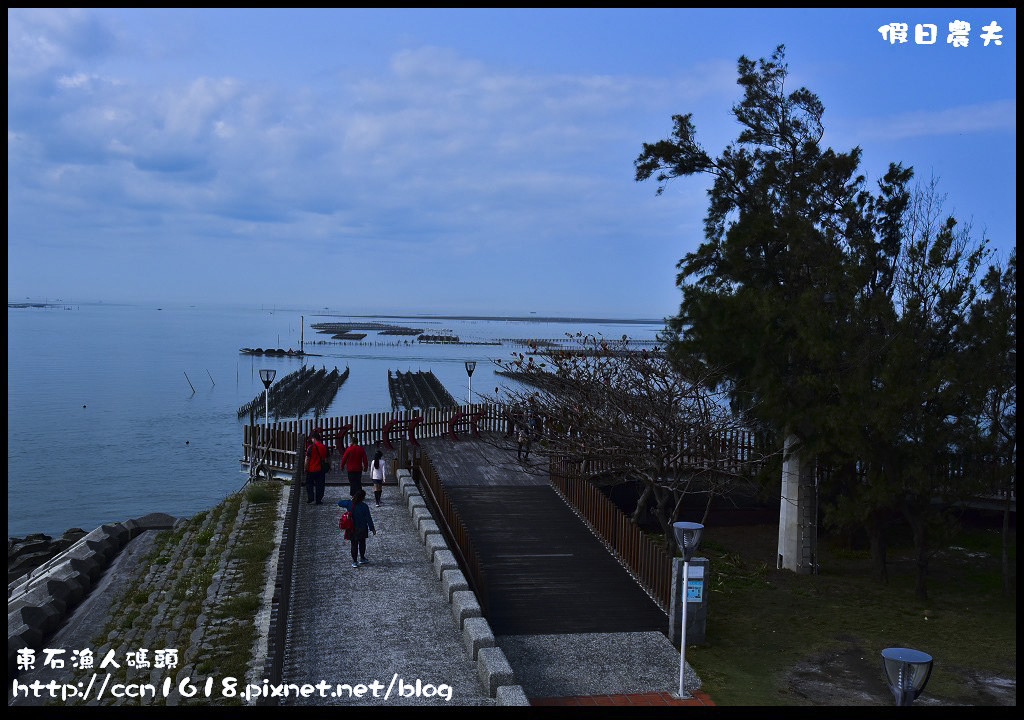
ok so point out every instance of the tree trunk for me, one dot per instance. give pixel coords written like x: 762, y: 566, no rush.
x: 919, y: 526
x: 641, y: 504
x: 1006, y: 536
x: 876, y: 541
x: 662, y: 512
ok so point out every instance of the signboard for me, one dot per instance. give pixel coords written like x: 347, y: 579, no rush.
x: 695, y: 584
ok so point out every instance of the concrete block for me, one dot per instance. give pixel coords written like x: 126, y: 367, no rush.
x: 452, y: 581
x: 409, y: 491
x: 118, y: 533
x: 29, y: 561
x: 152, y: 521
x: 69, y: 588
x: 42, y: 615
x: 427, y: 527
x: 494, y: 671
x: 444, y: 560
x: 107, y: 540
x: 86, y: 559
x: 434, y: 543
x: 17, y: 587
x: 476, y: 635
x: 464, y: 605
x: 20, y: 636
x: 511, y: 695
x: 416, y: 501
x: 419, y: 514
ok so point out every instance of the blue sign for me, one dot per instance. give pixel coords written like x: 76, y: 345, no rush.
x: 694, y: 590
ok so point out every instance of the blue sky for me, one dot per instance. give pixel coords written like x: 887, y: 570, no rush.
x: 446, y: 161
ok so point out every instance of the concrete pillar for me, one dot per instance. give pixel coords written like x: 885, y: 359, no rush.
x: 798, y: 511
x: 697, y: 605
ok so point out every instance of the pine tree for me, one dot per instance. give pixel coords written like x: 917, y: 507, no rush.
x: 837, y: 314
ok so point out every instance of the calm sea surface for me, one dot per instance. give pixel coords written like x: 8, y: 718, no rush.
x: 103, y: 425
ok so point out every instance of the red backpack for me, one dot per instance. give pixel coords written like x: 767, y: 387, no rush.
x: 345, y: 523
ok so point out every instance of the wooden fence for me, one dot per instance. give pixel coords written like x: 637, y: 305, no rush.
x: 288, y: 438
x: 647, y: 561
x: 454, y: 528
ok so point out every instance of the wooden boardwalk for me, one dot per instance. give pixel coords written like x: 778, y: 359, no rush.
x: 546, y: 573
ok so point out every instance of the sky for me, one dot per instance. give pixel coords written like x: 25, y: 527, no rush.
x: 446, y: 161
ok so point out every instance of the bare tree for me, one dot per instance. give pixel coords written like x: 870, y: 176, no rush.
x: 621, y: 414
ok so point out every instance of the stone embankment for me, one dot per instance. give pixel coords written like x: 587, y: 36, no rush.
x: 189, y: 593
x: 25, y: 554
x: 39, y: 601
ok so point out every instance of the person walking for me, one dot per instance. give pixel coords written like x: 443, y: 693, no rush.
x: 355, y: 462
x: 523, y: 440
x: 362, y: 525
x: 377, y: 470
x: 316, y: 462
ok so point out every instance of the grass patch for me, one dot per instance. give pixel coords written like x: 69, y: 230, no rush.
x: 259, y: 493
x: 229, y: 651
x: 232, y: 652
x: 241, y: 606
x: 763, y: 623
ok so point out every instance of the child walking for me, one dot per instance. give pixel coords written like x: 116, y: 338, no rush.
x: 377, y: 475
x: 362, y: 526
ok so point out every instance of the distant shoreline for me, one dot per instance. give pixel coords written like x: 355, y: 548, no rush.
x: 508, y: 318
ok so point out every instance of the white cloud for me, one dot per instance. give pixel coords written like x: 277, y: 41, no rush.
x: 437, y: 152
x: 41, y: 39
x: 983, y: 117
x: 77, y: 80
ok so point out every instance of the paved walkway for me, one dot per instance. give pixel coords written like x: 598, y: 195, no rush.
x: 387, y: 622
x: 575, y: 665
x: 650, y: 699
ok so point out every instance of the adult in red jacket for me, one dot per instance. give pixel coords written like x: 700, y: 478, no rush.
x: 355, y: 463
x: 316, y: 458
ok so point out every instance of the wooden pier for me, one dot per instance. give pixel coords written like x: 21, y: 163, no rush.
x: 544, y: 571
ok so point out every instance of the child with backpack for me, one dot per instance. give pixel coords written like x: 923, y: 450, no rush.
x: 357, y: 524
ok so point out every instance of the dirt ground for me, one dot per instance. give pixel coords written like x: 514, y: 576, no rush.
x: 854, y: 677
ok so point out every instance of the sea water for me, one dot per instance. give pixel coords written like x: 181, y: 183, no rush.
x: 115, y: 411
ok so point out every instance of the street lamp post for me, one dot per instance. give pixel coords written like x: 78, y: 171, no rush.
x: 907, y: 672
x: 470, y: 367
x: 688, y: 538
x: 267, y: 376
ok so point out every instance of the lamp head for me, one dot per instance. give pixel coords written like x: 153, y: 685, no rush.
x: 267, y: 376
x: 470, y: 367
x: 907, y: 672
x: 687, y: 537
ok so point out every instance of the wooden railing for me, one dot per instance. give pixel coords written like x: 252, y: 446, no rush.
x: 287, y: 438
x: 648, y: 562
x: 455, y: 529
